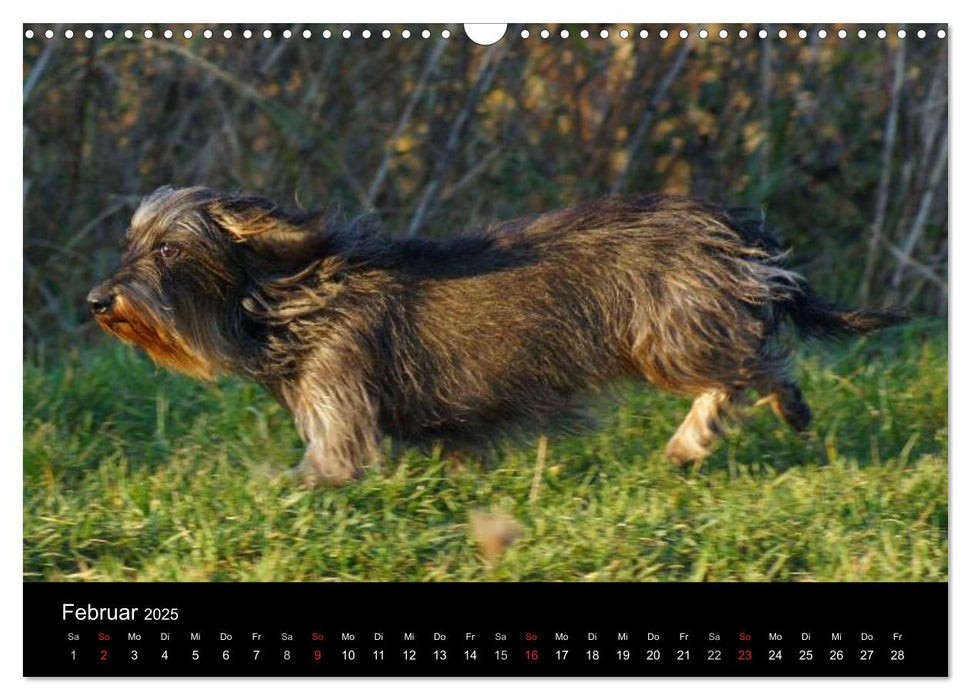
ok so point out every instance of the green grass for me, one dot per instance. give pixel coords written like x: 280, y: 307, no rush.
x: 131, y: 473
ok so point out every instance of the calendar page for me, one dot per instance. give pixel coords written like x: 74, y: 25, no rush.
x: 485, y: 350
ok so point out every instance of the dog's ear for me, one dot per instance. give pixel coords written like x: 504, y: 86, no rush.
x: 264, y: 230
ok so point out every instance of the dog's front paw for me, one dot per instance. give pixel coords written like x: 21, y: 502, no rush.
x: 303, y: 475
x: 314, y: 470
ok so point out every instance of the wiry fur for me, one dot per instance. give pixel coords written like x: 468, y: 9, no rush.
x: 470, y: 340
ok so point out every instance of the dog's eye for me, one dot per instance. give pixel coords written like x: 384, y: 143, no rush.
x: 167, y: 250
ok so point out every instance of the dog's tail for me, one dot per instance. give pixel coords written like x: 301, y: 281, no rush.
x: 811, y: 313
x: 816, y: 316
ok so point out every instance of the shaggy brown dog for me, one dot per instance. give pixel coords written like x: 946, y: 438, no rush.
x: 466, y: 341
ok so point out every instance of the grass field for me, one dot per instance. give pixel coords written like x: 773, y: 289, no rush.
x: 131, y: 473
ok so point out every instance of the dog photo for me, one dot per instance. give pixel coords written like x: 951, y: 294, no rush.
x: 590, y: 303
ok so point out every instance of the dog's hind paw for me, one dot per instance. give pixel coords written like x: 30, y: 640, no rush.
x: 681, y: 454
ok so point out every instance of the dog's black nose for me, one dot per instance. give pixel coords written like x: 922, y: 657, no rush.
x: 100, y: 301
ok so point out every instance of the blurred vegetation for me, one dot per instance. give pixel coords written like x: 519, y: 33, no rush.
x: 842, y: 141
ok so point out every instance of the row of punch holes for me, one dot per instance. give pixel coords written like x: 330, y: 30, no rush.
x: 623, y: 33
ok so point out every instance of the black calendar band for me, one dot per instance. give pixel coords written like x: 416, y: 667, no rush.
x: 485, y: 629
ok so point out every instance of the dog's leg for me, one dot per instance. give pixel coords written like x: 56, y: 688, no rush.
x: 700, y: 429
x: 785, y: 398
x: 341, y: 432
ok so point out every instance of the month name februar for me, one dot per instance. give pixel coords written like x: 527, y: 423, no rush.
x: 93, y: 613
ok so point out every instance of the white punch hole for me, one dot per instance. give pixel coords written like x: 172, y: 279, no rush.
x: 485, y: 34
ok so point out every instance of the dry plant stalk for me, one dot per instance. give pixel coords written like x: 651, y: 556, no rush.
x: 538, y: 470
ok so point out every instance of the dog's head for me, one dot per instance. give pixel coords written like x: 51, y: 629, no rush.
x: 191, y: 259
